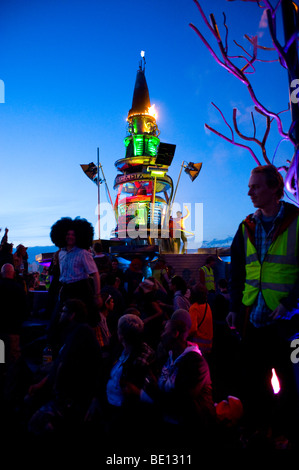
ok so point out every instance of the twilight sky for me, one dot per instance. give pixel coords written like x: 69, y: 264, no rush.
x: 69, y: 69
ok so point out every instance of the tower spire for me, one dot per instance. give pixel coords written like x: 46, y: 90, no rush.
x: 144, y: 189
x: 141, y: 100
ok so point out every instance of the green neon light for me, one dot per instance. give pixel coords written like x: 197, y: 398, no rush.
x: 138, y: 145
x: 145, y: 145
x: 127, y: 140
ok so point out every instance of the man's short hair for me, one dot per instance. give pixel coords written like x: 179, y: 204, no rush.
x: 199, y: 294
x: 180, y: 327
x: 222, y: 283
x: 132, y: 311
x: 210, y: 259
x: 98, y: 247
x: 273, y: 178
x: 130, y: 327
x: 110, y: 278
x: 7, y: 270
x: 179, y: 283
x: 183, y: 316
x: 77, y: 307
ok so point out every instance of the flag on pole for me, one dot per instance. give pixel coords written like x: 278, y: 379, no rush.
x: 193, y: 170
x: 91, y: 171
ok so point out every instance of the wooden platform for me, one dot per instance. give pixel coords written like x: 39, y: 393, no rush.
x: 188, y: 265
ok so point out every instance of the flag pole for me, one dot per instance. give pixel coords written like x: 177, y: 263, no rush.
x: 171, y: 204
x: 153, y: 201
x: 99, y: 220
x: 106, y: 185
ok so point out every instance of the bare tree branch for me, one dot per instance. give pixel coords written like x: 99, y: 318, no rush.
x: 259, y: 46
x: 277, y: 6
x: 226, y: 34
x: 254, y: 1
x: 292, y: 174
x: 291, y: 41
x: 249, y: 63
x: 232, y: 139
x: 234, y: 143
x: 278, y: 47
x: 262, y: 144
x: 285, y: 57
x: 233, y: 69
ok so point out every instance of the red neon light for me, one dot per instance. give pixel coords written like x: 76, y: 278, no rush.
x: 275, y: 382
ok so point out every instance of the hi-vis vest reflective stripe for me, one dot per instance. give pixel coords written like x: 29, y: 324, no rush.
x: 277, y: 274
x: 204, y: 344
x: 209, y: 277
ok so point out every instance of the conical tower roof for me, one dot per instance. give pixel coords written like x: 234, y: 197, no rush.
x: 141, y: 100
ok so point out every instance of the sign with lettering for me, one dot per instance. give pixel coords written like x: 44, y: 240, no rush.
x: 121, y: 179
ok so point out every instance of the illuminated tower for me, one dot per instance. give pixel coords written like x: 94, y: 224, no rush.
x: 144, y: 190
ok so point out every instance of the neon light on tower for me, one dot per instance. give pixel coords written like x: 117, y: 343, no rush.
x: 144, y: 190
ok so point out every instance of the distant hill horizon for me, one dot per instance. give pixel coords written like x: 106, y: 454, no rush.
x: 215, y: 243
x: 37, y: 250
x: 33, y: 251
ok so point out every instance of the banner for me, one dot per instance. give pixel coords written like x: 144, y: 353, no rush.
x: 91, y: 171
x: 193, y: 170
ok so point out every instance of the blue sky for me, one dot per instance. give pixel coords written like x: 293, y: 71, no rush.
x: 69, y: 69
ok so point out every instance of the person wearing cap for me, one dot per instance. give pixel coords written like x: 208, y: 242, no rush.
x: 229, y: 411
x: 229, y: 414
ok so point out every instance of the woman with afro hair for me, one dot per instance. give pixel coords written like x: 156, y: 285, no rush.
x: 79, y: 276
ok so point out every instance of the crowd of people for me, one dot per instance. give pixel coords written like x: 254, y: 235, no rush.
x: 148, y: 354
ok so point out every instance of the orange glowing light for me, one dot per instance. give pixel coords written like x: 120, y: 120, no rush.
x: 275, y: 382
x: 152, y: 111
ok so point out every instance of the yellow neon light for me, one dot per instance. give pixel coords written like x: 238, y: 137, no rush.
x: 157, y: 173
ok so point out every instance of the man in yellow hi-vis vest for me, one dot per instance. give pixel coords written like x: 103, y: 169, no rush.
x: 207, y: 280
x: 264, y: 289
x: 206, y: 274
